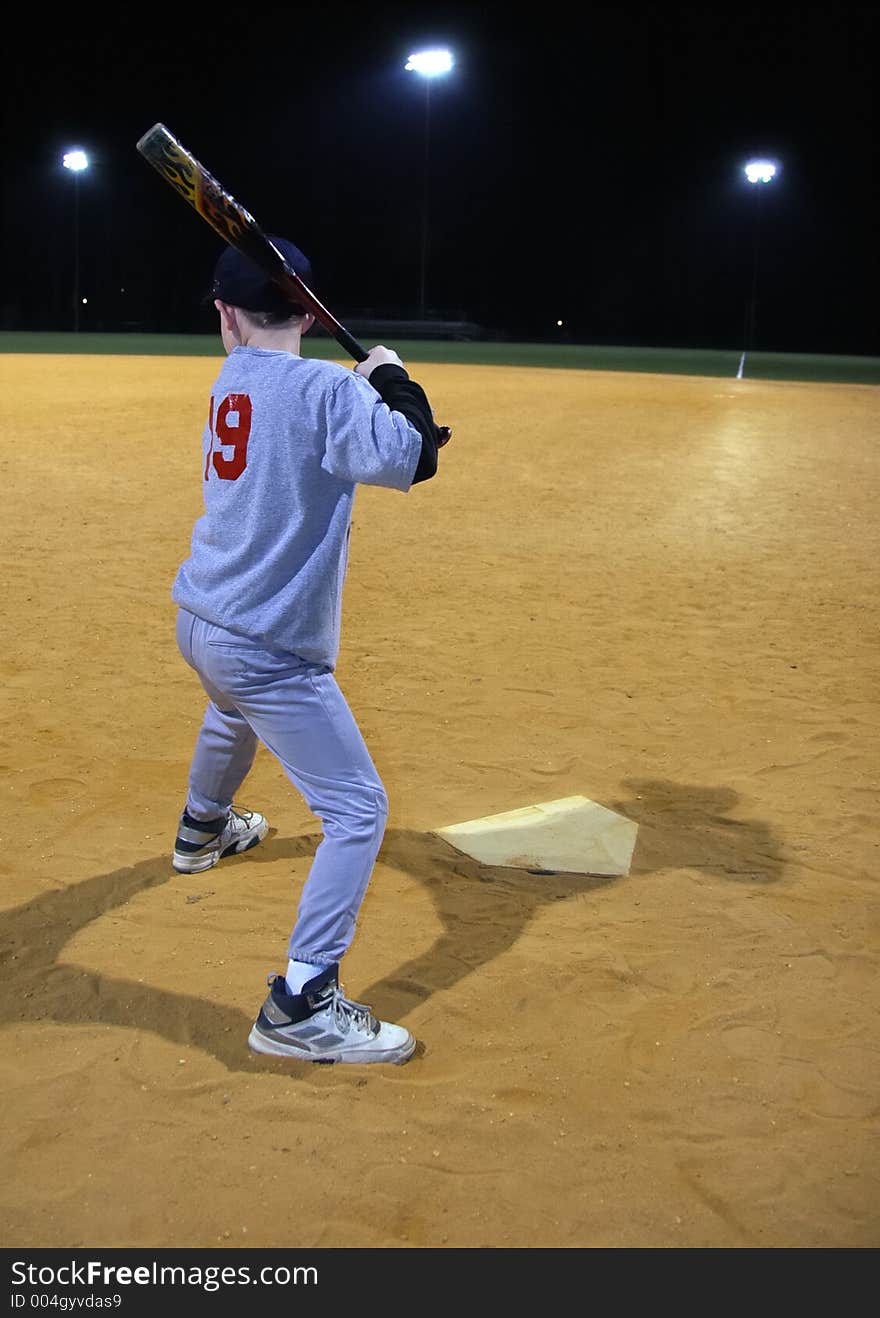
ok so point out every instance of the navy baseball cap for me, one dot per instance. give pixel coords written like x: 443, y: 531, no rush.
x: 241, y: 283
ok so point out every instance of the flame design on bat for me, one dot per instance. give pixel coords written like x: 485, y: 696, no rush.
x: 205, y: 194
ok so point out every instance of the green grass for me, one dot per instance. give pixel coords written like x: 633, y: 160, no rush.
x: 571, y: 356
x: 147, y: 345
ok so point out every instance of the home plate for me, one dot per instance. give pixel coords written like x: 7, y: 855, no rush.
x: 571, y: 836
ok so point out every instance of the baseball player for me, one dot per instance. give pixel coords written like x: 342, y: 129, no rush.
x: 287, y: 441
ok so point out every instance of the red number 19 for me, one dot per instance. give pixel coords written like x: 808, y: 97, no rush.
x: 229, y: 436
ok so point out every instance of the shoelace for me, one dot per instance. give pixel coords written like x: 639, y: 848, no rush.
x: 348, y: 1014
x: 243, y: 816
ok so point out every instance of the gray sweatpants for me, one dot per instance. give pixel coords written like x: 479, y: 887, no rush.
x: 299, y: 713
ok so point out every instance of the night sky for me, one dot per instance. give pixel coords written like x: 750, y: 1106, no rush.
x: 583, y: 166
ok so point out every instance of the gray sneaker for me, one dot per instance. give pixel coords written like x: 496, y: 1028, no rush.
x: 320, y: 1025
x: 201, y: 843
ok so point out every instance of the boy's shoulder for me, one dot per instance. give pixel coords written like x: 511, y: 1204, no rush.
x: 319, y: 368
x: 286, y: 367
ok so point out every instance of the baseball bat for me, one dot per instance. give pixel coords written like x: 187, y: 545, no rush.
x: 239, y: 229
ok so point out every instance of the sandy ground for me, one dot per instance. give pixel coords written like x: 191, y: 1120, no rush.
x: 657, y: 592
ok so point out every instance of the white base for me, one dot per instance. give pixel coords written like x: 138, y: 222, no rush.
x: 573, y: 835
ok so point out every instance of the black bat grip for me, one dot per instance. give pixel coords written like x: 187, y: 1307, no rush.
x: 351, y: 345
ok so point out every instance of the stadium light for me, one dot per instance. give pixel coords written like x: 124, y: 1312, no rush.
x: 77, y: 162
x: 758, y: 173
x: 429, y: 64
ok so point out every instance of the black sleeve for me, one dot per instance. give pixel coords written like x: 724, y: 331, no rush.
x: 403, y: 395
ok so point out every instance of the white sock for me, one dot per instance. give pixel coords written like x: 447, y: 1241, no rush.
x: 299, y: 973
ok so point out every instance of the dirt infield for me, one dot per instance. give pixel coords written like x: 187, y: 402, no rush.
x: 659, y: 592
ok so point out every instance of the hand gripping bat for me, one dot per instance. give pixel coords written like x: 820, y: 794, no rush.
x: 238, y: 227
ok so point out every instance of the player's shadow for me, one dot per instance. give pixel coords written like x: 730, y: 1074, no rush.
x: 685, y: 826
x: 482, y: 910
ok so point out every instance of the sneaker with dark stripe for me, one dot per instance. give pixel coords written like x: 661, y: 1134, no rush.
x: 201, y: 843
x: 320, y: 1025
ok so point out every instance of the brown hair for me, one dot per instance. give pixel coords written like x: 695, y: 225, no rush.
x: 273, y: 319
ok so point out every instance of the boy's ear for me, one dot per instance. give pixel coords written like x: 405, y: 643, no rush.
x: 227, y: 315
x: 308, y: 321
x: 229, y: 321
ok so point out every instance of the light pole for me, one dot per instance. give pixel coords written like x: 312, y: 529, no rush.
x: 429, y: 64
x: 76, y: 161
x: 758, y: 173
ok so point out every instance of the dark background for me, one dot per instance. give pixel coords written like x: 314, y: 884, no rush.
x: 585, y: 165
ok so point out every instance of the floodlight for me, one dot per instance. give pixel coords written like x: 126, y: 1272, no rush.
x: 75, y: 160
x: 757, y: 172
x: 760, y: 171
x: 430, y: 63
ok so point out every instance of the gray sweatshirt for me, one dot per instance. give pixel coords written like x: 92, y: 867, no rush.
x: 288, y: 438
